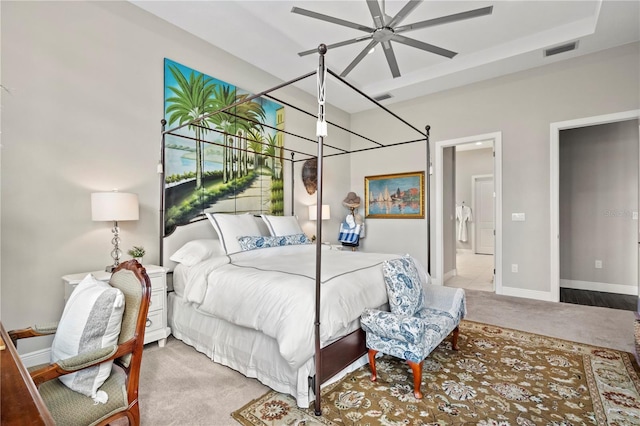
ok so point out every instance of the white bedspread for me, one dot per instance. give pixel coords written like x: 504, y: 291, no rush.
x: 273, y: 290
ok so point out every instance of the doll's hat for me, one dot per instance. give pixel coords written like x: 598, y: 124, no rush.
x: 352, y: 200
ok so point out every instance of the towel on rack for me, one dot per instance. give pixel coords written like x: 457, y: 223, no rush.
x: 463, y: 215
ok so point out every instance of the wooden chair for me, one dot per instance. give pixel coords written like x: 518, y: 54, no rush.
x: 72, y: 408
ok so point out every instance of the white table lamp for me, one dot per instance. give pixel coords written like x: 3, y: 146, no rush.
x: 313, y: 213
x: 114, y: 206
x: 326, y: 212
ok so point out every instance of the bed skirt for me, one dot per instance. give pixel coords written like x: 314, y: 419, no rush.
x: 245, y: 350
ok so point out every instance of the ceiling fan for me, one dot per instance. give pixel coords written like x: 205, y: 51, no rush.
x: 388, y: 29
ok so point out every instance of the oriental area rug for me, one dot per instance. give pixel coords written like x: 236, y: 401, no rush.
x: 498, y: 377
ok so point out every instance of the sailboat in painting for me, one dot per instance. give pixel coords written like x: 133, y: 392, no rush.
x: 382, y: 197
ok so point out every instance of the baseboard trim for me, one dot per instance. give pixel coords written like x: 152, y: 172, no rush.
x: 596, y: 286
x: 452, y: 273
x: 42, y: 356
x: 527, y: 294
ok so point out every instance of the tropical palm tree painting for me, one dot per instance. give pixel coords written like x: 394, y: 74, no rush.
x: 228, y: 162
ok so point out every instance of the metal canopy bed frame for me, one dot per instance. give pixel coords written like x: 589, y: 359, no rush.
x: 336, y: 356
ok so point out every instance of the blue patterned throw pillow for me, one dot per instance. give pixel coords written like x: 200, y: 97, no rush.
x: 404, y: 288
x: 258, y: 242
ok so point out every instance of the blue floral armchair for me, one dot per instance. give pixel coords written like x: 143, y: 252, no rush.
x: 421, y: 317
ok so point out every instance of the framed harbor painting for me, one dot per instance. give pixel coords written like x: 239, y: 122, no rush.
x: 394, y: 196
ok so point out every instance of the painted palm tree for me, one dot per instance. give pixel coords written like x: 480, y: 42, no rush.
x: 223, y: 96
x: 270, y: 150
x: 251, y: 112
x: 189, y: 103
x: 243, y: 116
x: 250, y: 115
x: 242, y: 160
x: 255, y: 144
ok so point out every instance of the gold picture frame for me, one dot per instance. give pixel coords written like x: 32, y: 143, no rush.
x: 394, y: 196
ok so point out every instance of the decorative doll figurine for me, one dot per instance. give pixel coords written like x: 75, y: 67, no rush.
x: 352, y: 228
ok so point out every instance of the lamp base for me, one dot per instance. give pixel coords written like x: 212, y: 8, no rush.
x: 110, y: 268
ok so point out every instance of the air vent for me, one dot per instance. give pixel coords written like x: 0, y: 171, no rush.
x: 561, y: 49
x: 382, y: 97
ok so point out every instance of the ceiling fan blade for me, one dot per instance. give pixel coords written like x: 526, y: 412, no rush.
x: 331, y: 19
x: 376, y: 13
x: 359, y: 58
x: 404, y: 12
x: 446, y: 19
x: 424, y: 46
x: 391, y: 59
x: 334, y: 45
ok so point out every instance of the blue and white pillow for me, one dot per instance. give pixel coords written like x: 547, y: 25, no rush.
x: 404, y: 287
x: 258, y: 242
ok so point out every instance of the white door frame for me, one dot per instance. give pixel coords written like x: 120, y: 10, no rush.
x: 474, y: 182
x: 438, y: 248
x: 554, y: 203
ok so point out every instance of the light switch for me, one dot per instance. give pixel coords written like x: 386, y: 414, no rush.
x: 634, y: 215
x: 517, y: 217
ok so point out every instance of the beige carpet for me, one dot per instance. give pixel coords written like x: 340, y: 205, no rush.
x: 180, y: 386
x: 498, y: 377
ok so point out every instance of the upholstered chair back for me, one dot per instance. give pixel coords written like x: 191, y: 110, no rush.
x: 129, y: 284
x: 404, y: 287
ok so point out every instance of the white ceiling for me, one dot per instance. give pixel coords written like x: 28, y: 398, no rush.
x: 268, y: 35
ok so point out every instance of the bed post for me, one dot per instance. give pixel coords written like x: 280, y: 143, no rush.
x: 427, y: 128
x: 321, y: 132
x: 293, y: 184
x: 161, y: 173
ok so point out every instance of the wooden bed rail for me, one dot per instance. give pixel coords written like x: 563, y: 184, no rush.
x: 342, y: 353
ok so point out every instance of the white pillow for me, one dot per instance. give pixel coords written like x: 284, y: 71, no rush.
x: 230, y: 226
x: 282, y: 225
x: 91, y: 320
x: 196, y: 251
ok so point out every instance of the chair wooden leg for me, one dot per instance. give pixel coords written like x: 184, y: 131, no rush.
x: 416, y: 368
x: 372, y: 363
x: 134, y: 415
x: 454, y: 338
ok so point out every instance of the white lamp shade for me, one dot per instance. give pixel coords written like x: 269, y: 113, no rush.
x: 313, y: 212
x: 114, y: 206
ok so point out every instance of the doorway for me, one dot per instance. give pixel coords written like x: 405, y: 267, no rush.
x: 604, y: 213
x: 472, y: 239
x: 445, y: 214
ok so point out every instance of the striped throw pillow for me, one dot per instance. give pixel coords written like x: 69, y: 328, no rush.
x: 91, y: 320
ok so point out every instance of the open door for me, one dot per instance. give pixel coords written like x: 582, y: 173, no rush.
x: 483, y: 206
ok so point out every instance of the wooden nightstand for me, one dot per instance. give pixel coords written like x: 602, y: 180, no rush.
x: 157, y: 329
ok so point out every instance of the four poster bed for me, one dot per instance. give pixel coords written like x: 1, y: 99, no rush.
x: 288, y: 313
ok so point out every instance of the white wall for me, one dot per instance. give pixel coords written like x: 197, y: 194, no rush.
x: 521, y: 106
x: 81, y: 114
